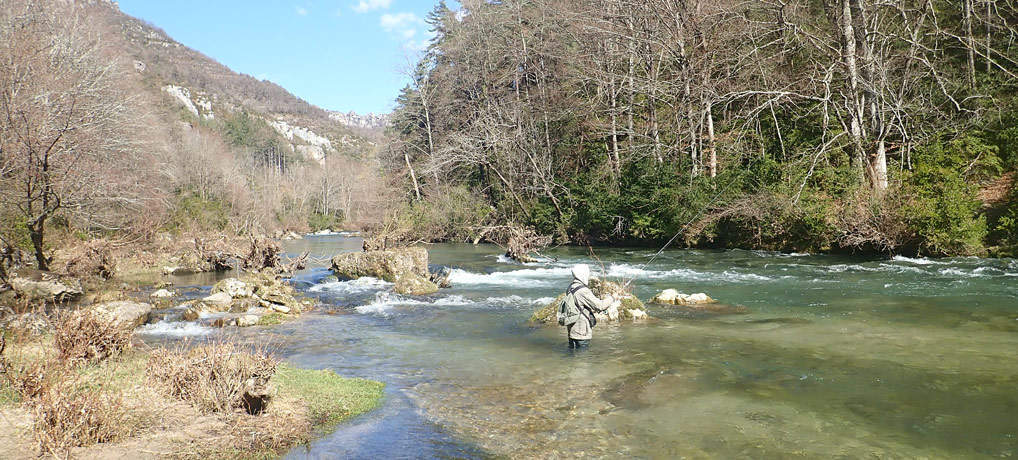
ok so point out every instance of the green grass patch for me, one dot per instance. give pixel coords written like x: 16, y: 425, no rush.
x: 273, y: 319
x: 330, y: 399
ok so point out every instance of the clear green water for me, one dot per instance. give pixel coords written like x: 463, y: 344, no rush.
x: 836, y: 357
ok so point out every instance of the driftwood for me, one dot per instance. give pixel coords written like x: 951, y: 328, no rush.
x: 520, y: 243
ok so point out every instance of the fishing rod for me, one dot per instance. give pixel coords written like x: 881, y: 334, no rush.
x: 681, y: 230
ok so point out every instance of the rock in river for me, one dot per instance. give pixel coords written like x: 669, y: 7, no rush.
x: 414, y: 284
x: 673, y: 297
x: 125, y: 314
x: 387, y: 264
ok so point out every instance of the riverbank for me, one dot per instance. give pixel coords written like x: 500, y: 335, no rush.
x: 119, y: 408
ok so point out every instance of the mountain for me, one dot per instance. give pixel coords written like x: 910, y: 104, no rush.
x: 206, y: 89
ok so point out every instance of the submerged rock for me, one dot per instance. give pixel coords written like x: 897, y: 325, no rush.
x: 47, y: 290
x: 387, y: 264
x: 125, y: 314
x: 629, y: 307
x: 674, y: 297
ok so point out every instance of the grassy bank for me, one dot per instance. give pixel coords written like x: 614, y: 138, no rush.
x: 145, y: 403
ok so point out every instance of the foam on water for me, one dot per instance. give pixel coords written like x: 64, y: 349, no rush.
x: 919, y: 261
x: 628, y: 271
x: 175, y: 329
x: 358, y: 285
x: 535, y: 276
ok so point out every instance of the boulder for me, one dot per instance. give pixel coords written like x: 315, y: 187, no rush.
x: 277, y: 307
x: 46, y: 291
x: 221, y: 299
x: 247, y: 320
x: 29, y: 323
x: 124, y: 314
x: 234, y: 288
x: 195, y: 308
x: 386, y: 265
x: 414, y: 284
x: 673, y: 297
x: 161, y: 294
x: 629, y: 306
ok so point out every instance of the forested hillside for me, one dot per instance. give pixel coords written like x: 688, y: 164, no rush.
x: 110, y: 128
x: 796, y: 125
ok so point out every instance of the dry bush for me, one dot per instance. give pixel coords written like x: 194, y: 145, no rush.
x: 262, y: 253
x: 82, y: 337
x: 93, y: 259
x: 29, y: 377
x: 215, y: 376
x: 66, y: 419
x: 518, y: 241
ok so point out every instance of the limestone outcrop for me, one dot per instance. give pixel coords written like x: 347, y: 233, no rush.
x: 46, y: 290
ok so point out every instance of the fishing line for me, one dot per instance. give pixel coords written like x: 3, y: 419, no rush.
x: 682, y: 229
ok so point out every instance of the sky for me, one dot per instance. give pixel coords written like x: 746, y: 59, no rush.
x: 337, y: 54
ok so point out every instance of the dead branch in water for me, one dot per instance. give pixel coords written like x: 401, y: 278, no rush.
x: 520, y: 243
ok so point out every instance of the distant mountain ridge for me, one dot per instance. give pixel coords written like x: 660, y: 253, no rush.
x: 367, y: 121
x: 203, y: 86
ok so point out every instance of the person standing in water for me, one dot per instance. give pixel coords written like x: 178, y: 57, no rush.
x: 582, y: 330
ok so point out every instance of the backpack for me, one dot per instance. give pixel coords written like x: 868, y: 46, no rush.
x: 568, y: 312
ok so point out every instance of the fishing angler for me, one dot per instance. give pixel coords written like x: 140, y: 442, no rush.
x: 576, y: 312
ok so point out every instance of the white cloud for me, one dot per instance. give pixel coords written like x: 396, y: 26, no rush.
x: 370, y: 5
x: 399, y: 21
x: 302, y: 11
x: 405, y: 27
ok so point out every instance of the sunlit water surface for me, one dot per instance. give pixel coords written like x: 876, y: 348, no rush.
x: 836, y: 357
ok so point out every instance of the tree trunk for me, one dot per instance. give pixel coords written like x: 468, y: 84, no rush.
x: 711, y: 146
x: 413, y: 176
x: 970, y: 43
x: 35, y: 232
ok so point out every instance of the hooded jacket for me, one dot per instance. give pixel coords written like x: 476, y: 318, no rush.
x: 585, y: 299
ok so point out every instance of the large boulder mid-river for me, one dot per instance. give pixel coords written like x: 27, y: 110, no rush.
x: 629, y: 308
x: 407, y: 267
x: 386, y: 264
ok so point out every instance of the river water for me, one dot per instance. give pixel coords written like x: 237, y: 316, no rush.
x: 834, y: 357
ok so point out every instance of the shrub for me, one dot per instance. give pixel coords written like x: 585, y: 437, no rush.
x: 75, y: 418
x: 215, y: 376
x: 82, y: 337
x: 446, y: 214
x: 93, y: 259
x: 940, y: 204
x: 318, y: 221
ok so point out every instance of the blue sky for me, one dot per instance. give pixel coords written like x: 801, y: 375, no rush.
x: 337, y: 54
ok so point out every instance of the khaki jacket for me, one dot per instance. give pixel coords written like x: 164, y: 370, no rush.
x: 585, y: 298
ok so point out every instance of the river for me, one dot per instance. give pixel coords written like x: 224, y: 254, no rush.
x: 835, y: 357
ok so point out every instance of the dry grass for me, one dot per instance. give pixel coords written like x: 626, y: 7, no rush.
x: 82, y: 337
x: 67, y: 418
x: 215, y: 376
